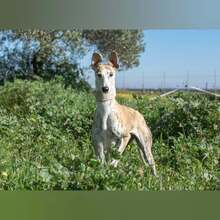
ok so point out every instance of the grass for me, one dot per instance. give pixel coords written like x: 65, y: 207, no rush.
x: 45, y: 142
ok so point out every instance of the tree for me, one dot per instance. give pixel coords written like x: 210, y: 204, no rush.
x: 54, y: 46
x: 44, y: 53
x: 129, y: 44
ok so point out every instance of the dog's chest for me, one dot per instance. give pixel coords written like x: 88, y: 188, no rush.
x: 110, y: 120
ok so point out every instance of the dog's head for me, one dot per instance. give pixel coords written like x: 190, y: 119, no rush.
x: 105, y: 75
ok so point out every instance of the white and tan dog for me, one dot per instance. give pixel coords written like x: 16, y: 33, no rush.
x: 116, y: 124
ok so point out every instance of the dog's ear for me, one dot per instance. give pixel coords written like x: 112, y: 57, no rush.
x: 113, y: 59
x: 96, y: 59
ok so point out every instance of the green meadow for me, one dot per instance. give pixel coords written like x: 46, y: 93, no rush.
x: 45, y: 141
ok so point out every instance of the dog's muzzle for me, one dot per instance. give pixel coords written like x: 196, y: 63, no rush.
x: 105, y: 89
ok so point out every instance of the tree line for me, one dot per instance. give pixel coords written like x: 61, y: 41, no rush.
x: 34, y: 54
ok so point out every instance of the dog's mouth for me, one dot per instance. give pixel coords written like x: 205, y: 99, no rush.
x: 104, y: 95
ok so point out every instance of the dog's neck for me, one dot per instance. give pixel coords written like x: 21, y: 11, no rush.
x: 104, y: 106
x: 103, y: 109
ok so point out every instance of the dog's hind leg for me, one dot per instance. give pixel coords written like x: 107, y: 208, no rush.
x: 121, y: 147
x: 144, y: 141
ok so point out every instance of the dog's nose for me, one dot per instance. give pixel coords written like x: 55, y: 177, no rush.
x: 105, y: 89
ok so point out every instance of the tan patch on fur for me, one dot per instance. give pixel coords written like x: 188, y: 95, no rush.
x: 131, y: 119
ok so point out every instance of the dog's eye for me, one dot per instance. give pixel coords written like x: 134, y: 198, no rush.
x: 111, y: 74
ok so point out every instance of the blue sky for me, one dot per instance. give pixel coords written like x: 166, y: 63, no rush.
x: 173, y: 56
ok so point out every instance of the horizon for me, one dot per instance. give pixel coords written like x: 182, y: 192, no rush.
x: 171, y: 58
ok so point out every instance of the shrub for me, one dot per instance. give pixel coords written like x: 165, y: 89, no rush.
x: 45, y: 142
x: 189, y: 114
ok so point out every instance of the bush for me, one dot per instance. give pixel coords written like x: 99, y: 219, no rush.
x: 46, y: 143
x: 193, y: 115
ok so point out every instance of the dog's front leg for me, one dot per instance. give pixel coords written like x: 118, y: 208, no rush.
x: 99, y: 151
x: 98, y: 145
x: 121, y: 145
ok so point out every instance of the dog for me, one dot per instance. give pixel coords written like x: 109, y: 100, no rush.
x: 115, y: 124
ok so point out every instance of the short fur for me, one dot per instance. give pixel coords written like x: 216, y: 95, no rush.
x: 116, y: 124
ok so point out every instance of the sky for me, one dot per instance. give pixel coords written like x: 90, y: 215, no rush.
x: 171, y: 58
